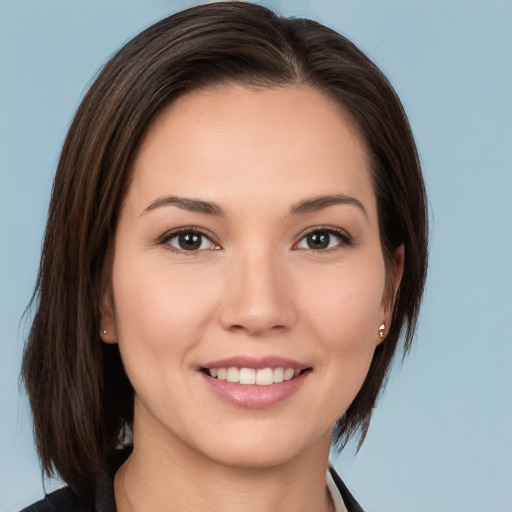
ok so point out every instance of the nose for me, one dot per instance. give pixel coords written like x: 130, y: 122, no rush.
x: 258, y: 296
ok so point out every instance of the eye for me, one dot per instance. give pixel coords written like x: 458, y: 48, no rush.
x: 322, y: 239
x: 189, y: 240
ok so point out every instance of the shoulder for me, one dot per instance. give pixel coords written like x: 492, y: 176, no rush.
x: 65, y: 500
x: 62, y: 500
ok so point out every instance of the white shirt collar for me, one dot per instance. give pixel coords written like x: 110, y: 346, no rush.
x: 339, y: 506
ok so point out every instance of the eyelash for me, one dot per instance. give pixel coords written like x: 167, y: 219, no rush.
x: 345, y: 239
x: 190, y: 230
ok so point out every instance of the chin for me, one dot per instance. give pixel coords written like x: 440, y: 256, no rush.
x: 266, y: 448
x: 258, y: 456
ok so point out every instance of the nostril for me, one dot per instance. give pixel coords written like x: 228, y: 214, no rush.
x: 254, y: 329
x: 255, y: 313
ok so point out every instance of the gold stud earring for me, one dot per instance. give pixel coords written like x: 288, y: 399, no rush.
x: 382, y: 330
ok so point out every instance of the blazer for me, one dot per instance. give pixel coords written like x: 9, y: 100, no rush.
x: 64, y: 500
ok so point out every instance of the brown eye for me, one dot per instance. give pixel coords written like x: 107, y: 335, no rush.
x: 322, y: 239
x: 188, y: 241
x: 318, y: 240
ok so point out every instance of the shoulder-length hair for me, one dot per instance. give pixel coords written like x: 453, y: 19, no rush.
x: 80, y: 396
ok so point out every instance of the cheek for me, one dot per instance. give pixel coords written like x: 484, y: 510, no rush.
x: 347, y: 303
x: 344, y: 311
x: 161, y: 311
x: 154, y: 299
x: 157, y: 321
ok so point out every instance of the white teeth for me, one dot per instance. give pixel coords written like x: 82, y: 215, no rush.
x: 265, y: 377
x: 279, y: 375
x: 247, y: 376
x: 233, y: 375
x: 262, y: 377
x: 289, y: 373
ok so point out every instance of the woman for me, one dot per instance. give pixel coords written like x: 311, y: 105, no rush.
x: 236, y: 240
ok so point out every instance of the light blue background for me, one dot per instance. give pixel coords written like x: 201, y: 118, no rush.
x: 441, y: 438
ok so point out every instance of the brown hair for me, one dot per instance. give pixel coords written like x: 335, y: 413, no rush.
x: 80, y: 396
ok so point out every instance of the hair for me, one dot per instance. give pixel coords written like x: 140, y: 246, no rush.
x: 80, y: 396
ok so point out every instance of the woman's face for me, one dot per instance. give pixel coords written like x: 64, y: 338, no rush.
x: 247, y: 249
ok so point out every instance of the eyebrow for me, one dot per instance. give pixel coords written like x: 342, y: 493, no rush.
x: 191, y: 205
x: 312, y: 205
x: 319, y: 203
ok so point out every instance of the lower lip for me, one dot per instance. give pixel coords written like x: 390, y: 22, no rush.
x: 253, y: 396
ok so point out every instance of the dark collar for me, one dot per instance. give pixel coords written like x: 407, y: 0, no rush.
x: 350, y: 502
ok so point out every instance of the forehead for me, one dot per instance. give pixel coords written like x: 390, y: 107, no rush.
x: 268, y: 144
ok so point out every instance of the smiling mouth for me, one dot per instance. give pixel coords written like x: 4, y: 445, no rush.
x: 251, y: 376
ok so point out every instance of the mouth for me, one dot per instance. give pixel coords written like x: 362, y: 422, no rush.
x: 254, y: 376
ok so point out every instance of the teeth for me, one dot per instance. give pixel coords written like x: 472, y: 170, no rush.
x: 289, y: 373
x: 233, y: 375
x: 247, y: 376
x: 279, y: 375
x: 263, y: 377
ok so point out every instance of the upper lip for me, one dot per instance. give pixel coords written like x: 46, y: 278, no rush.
x: 257, y: 363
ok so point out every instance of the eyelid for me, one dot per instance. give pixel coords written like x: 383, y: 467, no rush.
x: 172, y: 233
x: 346, y: 238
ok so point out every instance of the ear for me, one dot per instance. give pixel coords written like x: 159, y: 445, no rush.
x: 391, y: 291
x: 107, y: 327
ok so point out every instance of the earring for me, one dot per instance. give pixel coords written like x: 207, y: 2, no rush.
x: 382, y: 330
x: 104, y: 331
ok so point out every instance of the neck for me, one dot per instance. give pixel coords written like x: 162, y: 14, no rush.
x: 170, y: 477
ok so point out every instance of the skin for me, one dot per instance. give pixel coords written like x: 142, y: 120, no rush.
x: 255, y: 288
